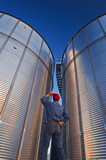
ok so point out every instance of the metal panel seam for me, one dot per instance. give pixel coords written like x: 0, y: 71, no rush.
x: 98, y: 88
x: 101, y: 26
x: 9, y: 36
x: 79, y: 107
x: 12, y: 83
x: 28, y: 108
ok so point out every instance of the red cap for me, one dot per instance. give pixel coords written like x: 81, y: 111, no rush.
x: 56, y: 97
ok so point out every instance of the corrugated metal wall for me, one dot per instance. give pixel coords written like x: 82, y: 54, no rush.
x: 84, y: 86
x: 26, y: 64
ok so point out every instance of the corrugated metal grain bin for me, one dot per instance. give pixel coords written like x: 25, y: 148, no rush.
x: 84, y: 92
x: 26, y: 73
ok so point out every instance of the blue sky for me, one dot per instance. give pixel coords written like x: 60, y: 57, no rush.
x: 56, y: 20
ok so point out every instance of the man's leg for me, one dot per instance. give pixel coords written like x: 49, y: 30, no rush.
x: 49, y: 130
x: 58, y: 144
x: 44, y: 146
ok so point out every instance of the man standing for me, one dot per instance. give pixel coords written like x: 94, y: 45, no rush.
x: 54, y: 112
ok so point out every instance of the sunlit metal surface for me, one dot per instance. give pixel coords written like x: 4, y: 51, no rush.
x: 84, y: 92
x: 26, y: 74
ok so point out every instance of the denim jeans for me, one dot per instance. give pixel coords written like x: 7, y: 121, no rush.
x: 52, y: 129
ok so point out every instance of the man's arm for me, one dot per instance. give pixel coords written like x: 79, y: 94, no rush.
x: 44, y: 98
x: 51, y: 93
x: 66, y: 117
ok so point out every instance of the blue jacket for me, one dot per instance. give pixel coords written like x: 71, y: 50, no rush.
x: 54, y: 110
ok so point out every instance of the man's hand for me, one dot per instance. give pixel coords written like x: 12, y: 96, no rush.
x: 52, y: 93
x: 61, y: 122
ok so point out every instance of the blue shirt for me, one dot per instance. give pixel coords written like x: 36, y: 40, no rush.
x: 54, y: 110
